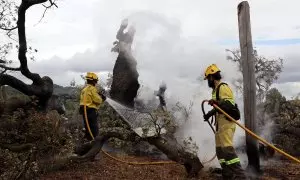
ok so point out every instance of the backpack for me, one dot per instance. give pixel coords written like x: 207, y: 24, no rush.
x: 227, y: 106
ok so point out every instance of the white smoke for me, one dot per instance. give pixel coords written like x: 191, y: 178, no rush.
x: 162, y: 54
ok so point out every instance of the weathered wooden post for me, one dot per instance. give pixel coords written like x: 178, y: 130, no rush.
x: 249, y: 86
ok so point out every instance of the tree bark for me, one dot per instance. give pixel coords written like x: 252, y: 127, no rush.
x: 249, y: 84
x: 40, y: 87
x: 125, y: 83
x: 176, y: 153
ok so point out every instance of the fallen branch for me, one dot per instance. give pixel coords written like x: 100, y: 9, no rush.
x: 17, y: 147
x: 169, y: 147
x: 26, y: 166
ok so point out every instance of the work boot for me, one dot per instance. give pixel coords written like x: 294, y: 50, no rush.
x: 215, y: 170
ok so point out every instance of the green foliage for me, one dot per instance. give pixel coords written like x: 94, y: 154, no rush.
x: 8, y: 16
x: 266, y: 71
x: 273, y: 100
x: 274, y: 94
x: 8, y: 24
x: 45, y: 134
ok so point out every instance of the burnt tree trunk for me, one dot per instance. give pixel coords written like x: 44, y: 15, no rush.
x: 125, y: 76
x: 249, y: 88
x: 125, y: 80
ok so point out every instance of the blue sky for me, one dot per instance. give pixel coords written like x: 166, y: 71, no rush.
x: 268, y: 42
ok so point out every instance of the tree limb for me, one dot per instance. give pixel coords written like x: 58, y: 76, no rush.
x: 22, y: 40
x: 40, y: 87
x: 10, y: 68
x: 46, y: 8
x: 16, y: 147
x: 21, y: 86
x: 8, y: 29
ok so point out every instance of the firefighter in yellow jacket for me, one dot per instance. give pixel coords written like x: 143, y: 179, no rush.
x: 92, y: 99
x: 228, y: 159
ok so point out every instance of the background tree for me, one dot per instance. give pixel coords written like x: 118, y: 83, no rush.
x: 12, y: 18
x: 266, y: 71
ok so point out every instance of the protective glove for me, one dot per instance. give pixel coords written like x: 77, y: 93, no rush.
x: 211, y: 102
x: 209, y: 114
x: 103, y: 97
x: 102, y: 94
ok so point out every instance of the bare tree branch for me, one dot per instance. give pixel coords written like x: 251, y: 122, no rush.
x: 10, y: 68
x: 22, y: 40
x: 46, y: 8
x: 18, y: 84
x: 8, y: 29
x: 3, y: 71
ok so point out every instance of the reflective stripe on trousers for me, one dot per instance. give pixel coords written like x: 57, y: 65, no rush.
x: 232, y: 161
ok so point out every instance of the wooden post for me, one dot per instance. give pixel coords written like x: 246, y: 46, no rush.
x: 249, y: 86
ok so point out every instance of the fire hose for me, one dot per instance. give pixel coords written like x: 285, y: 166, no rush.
x: 253, y: 134
x: 114, y: 158
x: 211, y: 126
x: 127, y: 162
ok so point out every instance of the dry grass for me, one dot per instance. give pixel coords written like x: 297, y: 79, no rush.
x: 105, y: 168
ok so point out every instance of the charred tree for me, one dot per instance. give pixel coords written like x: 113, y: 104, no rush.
x: 161, y: 95
x: 41, y: 87
x: 125, y: 76
x: 249, y: 85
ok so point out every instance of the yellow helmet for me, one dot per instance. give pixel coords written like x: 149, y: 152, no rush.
x: 91, y: 76
x: 212, y: 69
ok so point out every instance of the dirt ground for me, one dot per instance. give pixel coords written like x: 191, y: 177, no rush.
x: 105, y: 168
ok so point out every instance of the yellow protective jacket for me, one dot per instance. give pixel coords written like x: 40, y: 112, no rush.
x: 225, y: 127
x: 89, y: 96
